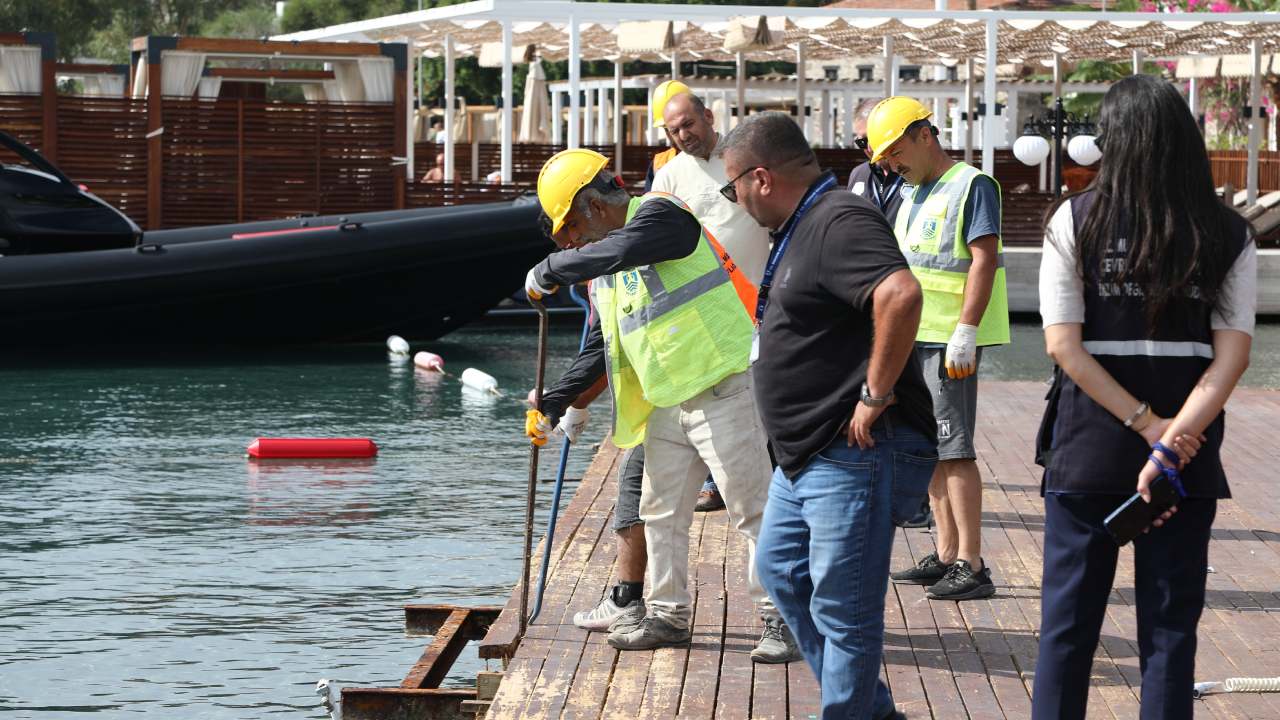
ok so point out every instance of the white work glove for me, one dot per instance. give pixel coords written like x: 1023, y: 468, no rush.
x: 573, y: 423
x: 533, y: 289
x: 962, y: 352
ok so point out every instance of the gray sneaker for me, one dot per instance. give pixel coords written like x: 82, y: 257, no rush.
x: 652, y: 632
x: 629, y: 619
x: 603, y: 616
x: 777, y: 644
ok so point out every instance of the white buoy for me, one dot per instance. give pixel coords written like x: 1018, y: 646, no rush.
x: 397, y: 345
x: 429, y: 361
x: 479, y: 380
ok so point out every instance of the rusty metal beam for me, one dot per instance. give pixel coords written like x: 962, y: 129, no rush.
x: 433, y: 666
x: 404, y: 703
x: 427, y: 619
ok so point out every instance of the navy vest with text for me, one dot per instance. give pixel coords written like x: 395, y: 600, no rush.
x: 1093, y: 452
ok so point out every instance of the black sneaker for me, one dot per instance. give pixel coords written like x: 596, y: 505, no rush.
x: 962, y: 583
x: 926, y: 572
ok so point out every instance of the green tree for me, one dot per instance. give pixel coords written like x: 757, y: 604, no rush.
x: 255, y: 21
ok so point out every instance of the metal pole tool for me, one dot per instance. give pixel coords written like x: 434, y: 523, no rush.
x: 533, y: 467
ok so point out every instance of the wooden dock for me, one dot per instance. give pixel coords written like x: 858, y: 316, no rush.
x: 973, y: 659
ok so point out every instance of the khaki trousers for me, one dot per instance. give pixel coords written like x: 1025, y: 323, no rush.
x: 718, y: 430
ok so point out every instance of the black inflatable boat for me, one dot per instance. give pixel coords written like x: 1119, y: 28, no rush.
x: 74, y: 270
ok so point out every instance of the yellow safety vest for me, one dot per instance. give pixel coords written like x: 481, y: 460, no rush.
x: 671, y: 330
x: 935, y: 247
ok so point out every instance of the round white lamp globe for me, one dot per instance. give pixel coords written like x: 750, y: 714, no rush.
x: 1084, y: 149
x: 1031, y: 149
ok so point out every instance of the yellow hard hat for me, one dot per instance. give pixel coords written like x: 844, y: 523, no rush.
x: 661, y: 96
x: 889, y: 119
x: 560, y: 179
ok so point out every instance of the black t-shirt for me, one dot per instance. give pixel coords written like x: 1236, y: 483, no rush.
x: 816, y: 338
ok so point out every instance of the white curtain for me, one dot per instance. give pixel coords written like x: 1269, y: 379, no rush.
x: 111, y: 85
x: 209, y: 87
x: 346, y: 85
x: 20, y: 70
x: 180, y: 72
x: 535, y: 121
x: 140, y: 76
x: 314, y: 92
x: 459, y: 122
x: 379, y: 75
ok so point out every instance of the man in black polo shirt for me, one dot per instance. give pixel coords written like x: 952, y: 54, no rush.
x: 844, y: 403
x: 874, y: 181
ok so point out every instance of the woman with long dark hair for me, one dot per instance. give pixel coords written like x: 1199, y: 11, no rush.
x: 1148, y: 297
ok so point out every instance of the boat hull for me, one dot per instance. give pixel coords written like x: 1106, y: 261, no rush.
x: 419, y: 274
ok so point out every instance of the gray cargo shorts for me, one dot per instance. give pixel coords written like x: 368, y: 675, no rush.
x: 955, y: 403
x: 626, y: 512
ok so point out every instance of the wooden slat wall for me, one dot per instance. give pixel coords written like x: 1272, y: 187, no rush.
x: 463, y: 193
x: 245, y: 160
x: 199, y: 167
x: 21, y: 116
x: 102, y: 145
x: 356, y: 149
x: 526, y: 160
x: 1232, y: 166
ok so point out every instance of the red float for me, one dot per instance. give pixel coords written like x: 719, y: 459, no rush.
x: 312, y: 448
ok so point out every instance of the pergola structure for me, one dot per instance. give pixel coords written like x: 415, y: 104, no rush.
x: 977, y: 39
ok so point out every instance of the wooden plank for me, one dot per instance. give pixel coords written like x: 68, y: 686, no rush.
x: 666, y: 680
x: 580, y: 580
x: 501, y: 640
x: 702, y: 673
x: 270, y: 74
x: 741, y: 631
x: 278, y: 47
x: 900, y: 663
x: 155, y: 149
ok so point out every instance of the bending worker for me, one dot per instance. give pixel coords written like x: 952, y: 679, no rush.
x: 949, y: 231
x: 677, y: 335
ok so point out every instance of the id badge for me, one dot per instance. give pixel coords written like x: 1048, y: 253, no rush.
x: 755, y: 346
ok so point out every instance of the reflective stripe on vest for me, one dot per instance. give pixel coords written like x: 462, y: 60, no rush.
x: 671, y: 330
x: 934, y: 245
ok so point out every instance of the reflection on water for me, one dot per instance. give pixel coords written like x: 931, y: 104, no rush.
x: 146, y: 566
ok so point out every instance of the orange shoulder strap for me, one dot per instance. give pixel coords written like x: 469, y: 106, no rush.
x: 663, y: 158
x: 747, y: 291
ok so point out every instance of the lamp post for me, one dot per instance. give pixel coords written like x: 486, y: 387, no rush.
x: 1032, y: 148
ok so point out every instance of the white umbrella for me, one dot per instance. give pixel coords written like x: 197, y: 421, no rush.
x: 535, y: 120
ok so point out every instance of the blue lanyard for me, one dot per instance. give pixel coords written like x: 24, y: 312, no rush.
x: 780, y: 245
x: 883, y: 198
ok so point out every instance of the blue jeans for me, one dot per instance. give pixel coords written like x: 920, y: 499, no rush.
x: 823, y: 556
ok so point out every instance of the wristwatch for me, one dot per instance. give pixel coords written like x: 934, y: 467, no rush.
x: 875, y: 401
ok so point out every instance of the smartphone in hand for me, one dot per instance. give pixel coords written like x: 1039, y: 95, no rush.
x: 1136, y: 514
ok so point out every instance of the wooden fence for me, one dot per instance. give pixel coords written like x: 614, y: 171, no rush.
x: 102, y: 145
x: 1231, y: 166
x: 242, y: 160
x: 22, y: 117
x: 245, y: 160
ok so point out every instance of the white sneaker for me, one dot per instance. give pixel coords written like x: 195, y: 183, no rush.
x: 602, y: 616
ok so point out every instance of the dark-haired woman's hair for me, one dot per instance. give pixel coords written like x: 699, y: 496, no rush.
x: 1155, y: 188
